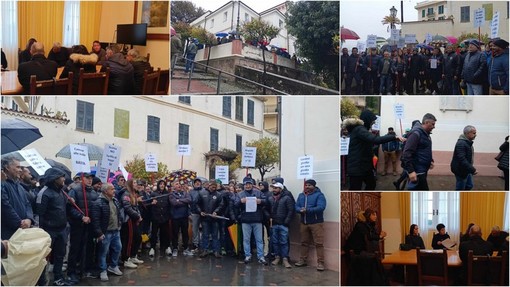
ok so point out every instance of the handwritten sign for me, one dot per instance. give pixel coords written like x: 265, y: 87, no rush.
x: 495, y: 25
x: 102, y: 172
x: 125, y: 173
x: 249, y: 156
x: 111, y: 157
x: 372, y: 41
x: 377, y: 125
x: 305, y: 167
x: 344, y: 145
x: 80, y: 158
x: 184, y: 149
x: 361, y: 46
x: 410, y: 38
x: 399, y: 111
x: 151, y: 163
x: 222, y: 173
x: 35, y: 160
x: 428, y: 38
x: 395, y: 33
x: 479, y: 18
x: 401, y: 43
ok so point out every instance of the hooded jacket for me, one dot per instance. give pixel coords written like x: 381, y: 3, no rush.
x: 52, y: 203
x: 75, y: 63
x: 462, y: 160
x: 210, y: 202
x: 315, y: 204
x: 359, y: 160
x: 498, y: 72
x: 417, y: 154
x: 122, y: 77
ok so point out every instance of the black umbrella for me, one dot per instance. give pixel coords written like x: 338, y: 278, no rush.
x: 17, y: 134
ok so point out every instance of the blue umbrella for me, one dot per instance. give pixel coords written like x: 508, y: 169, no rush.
x: 428, y: 47
x: 17, y: 134
x: 221, y: 34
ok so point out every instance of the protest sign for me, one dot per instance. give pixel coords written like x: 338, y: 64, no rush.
x: 221, y: 173
x: 151, y: 163
x: 184, y: 149
x: 479, y: 18
x: 35, y: 160
x: 80, y: 158
x: 344, y: 145
x: 377, y: 125
x: 305, y: 167
x: 428, y: 38
x: 372, y: 41
x: 495, y: 25
x: 111, y: 157
x: 249, y: 156
x: 399, y: 111
x: 410, y: 38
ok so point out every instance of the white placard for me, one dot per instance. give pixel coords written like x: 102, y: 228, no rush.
x: 305, y: 167
x: 479, y: 18
x: 401, y: 43
x: 249, y: 156
x: 111, y: 157
x: 433, y: 63
x: 395, y: 33
x: 251, y: 204
x: 184, y: 149
x: 344, y: 145
x: 399, y: 111
x: 35, y: 160
x: 361, y: 46
x: 80, y: 158
x: 410, y: 38
x: 102, y: 172
x: 377, y: 125
x: 428, y: 38
x: 125, y: 173
x: 151, y: 163
x: 372, y: 41
x: 495, y: 25
x: 222, y: 173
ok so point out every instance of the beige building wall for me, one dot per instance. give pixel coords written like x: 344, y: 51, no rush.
x: 121, y: 12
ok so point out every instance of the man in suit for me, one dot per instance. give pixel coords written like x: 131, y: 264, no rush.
x: 39, y: 66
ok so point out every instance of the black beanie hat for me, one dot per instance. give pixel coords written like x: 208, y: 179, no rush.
x: 95, y: 180
x: 311, y: 181
x: 501, y: 43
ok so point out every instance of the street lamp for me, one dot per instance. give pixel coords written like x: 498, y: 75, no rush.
x: 393, y: 13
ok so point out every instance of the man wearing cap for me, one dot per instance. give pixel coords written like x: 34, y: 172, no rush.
x: 195, y: 193
x: 281, y: 207
x: 210, y: 204
x: 251, y: 218
x: 311, y: 204
x: 81, y: 240
x: 474, y: 70
x: 96, y: 184
x: 498, y: 68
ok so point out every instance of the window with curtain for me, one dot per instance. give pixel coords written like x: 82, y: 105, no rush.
x: 183, y: 134
x: 152, y: 129
x: 431, y: 208
x: 84, y: 116
x: 71, y: 33
x: 214, y: 135
x: 9, y: 37
x: 506, y: 223
x: 251, y: 112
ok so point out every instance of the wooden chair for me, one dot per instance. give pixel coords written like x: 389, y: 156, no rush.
x: 150, y: 83
x: 93, y: 83
x: 164, y: 82
x: 432, y: 267
x: 486, y: 270
x: 52, y: 87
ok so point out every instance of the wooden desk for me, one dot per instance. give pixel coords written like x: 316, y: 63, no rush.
x: 11, y: 86
x: 401, y: 257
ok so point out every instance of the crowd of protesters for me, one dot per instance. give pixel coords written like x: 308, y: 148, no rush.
x: 108, y: 224
x: 471, y: 69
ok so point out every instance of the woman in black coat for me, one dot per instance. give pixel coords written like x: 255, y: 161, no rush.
x: 78, y: 59
x: 413, y: 238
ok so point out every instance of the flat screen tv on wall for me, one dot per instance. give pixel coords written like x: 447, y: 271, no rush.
x: 132, y: 34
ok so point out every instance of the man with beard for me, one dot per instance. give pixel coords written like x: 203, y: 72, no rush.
x: 210, y: 204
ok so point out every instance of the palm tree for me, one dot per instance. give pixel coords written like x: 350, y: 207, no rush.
x: 391, y: 20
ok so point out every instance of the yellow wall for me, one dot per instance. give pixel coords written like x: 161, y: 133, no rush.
x: 390, y: 212
x: 121, y: 12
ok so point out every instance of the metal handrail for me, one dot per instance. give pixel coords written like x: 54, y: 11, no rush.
x: 227, y: 73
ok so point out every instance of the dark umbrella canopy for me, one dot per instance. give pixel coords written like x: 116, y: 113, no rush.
x: 17, y: 134
x: 95, y: 152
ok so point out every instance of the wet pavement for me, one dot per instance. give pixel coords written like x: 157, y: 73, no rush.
x: 209, y: 271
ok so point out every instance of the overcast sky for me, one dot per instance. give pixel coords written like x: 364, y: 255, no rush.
x: 257, y: 5
x: 364, y: 17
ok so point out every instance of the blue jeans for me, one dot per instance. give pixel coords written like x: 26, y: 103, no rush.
x: 210, y: 227
x: 473, y: 89
x: 385, y: 82
x: 280, y: 240
x: 190, y: 57
x: 256, y: 228
x: 465, y: 183
x: 111, y: 242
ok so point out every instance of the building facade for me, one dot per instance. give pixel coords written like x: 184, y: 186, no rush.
x: 453, y: 18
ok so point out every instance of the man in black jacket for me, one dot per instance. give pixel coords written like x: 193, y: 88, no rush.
x: 140, y: 65
x: 39, y: 66
x: 122, y: 77
x: 281, y: 207
x: 353, y: 70
x: 52, y: 212
x: 474, y: 71
x: 451, y: 72
x: 462, y: 160
x: 475, y: 243
x: 210, y: 204
x: 59, y: 54
x: 160, y: 213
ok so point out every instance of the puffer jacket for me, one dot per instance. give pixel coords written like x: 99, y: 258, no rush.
x: 462, y: 160
x: 451, y: 65
x: 122, y: 79
x: 210, y: 202
x: 498, y: 72
x: 77, y: 194
x: 315, y: 204
x: 350, y: 67
x: 179, y: 202
x: 75, y: 63
x: 359, y: 160
x: 372, y: 62
x: 417, y: 154
x: 100, y: 215
x: 281, y: 208
x: 160, y: 212
x: 250, y: 217
x: 52, y: 203
x: 131, y: 211
x: 503, y: 163
x: 475, y: 65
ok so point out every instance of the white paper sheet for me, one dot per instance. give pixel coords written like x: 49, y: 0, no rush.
x: 433, y: 63
x: 251, y: 204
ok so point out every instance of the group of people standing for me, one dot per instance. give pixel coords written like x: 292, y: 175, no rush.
x: 414, y: 70
x: 103, y: 223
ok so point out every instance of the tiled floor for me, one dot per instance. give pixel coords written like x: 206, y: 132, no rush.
x: 227, y: 271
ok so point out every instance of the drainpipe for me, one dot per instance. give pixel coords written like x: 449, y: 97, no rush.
x: 238, y: 12
x: 232, y: 21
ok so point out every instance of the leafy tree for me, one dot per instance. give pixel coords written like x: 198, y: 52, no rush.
x: 182, y: 28
x: 387, y: 20
x: 464, y: 36
x: 137, y: 168
x: 315, y: 24
x: 203, y: 36
x: 184, y: 11
x: 267, y: 155
x: 348, y: 108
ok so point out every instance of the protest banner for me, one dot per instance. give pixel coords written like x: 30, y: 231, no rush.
x: 35, y: 160
x: 221, y: 173
x: 495, y: 25
x: 151, y: 163
x: 410, y: 38
x: 249, y: 156
x: 372, y: 41
x: 305, y: 167
x: 80, y: 158
x: 111, y: 157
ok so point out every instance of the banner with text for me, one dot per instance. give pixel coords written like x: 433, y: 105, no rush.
x: 184, y: 149
x: 35, y: 160
x: 479, y: 18
x: 344, y: 145
x: 399, y: 111
x: 111, y: 157
x: 151, y: 163
x: 102, y: 173
x: 80, y: 158
x: 249, y: 156
x: 222, y: 173
x: 495, y: 25
x: 371, y: 41
x: 305, y: 167
x: 410, y: 38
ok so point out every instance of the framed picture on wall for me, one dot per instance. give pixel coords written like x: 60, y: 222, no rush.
x: 157, y: 16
